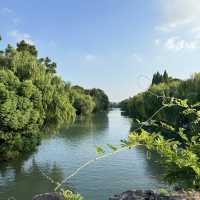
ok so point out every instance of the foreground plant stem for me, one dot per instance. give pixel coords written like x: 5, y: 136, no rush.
x: 89, y: 163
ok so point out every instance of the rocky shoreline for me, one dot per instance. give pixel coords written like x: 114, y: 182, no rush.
x: 151, y: 195
x: 48, y: 196
x: 135, y: 195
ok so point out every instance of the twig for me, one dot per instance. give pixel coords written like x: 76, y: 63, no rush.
x: 89, y: 163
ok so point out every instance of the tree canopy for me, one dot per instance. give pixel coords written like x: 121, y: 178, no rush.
x: 161, y: 78
x: 32, y: 96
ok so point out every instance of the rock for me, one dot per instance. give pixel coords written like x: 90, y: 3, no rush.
x: 146, y: 195
x: 48, y: 196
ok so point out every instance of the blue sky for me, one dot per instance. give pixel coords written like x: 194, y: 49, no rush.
x: 110, y: 44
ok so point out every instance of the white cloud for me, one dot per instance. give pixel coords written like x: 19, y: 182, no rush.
x: 179, y: 17
x: 137, y: 57
x: 6, y: 11
x: 18, y: 36
x: 177, y: 44
x: 172, y: 26
x: 179, y: 13
x: 157, y: 42
x: 89, y: 58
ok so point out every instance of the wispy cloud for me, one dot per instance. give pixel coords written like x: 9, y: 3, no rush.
x: 172, y: 26
x: 18, y: 36
x: 6, y: 11
x: 11, y: 15
x: 179, y: 13
x: 177, y: 44
x: 89, y: 57
x: 180, y: 25
x: 137, y: 57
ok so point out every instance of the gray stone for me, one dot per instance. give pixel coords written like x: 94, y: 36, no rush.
x: 48, y: 196
x: 143, y: 195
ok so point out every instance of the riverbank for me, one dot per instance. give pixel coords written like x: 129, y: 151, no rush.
x: 136, y: 195
x: 151, y: 195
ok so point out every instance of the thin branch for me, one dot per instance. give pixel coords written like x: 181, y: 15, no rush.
x: 89, y: 163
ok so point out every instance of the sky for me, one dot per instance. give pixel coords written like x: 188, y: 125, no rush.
x: 115, y: 45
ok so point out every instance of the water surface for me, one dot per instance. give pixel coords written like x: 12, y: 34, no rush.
x: 59, y: 155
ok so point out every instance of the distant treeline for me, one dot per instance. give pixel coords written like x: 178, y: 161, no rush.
x: 143, y: 105
x: 32, y: 96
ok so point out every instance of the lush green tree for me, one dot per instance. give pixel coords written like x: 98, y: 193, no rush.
x: 24, y: 46
x: 144, y: 104
x: 50, y: 66
x: 33, y: 96
x: 114, y: 105
x: 157, y: 78
x: 100, y: 98
x: 30, y: 97
x: 180, y: 152
x: 165, y: 76
x: 79, y: 89
x: 83, y: 103
x: 161, y: 78
x: 59, y: 108
x: 20, y: 115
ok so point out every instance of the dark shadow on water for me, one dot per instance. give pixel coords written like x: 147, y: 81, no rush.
x: 20, y: 179
x: 84, y: 126
x: 153, y: 166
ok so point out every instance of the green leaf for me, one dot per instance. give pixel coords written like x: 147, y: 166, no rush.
x: 112, y: 147
x: 99, y: 150
x: 183, y: 135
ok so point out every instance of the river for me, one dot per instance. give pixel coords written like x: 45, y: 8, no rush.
x: 59, y: 155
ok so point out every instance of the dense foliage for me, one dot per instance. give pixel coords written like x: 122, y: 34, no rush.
x: 171, y: 127
x: 82, y: 102
x: 159, y: 78
x: 32, y: 96
x: 181, y: 153
x: 144, y: 104
x: 100, y: 98
x: 162, y: 78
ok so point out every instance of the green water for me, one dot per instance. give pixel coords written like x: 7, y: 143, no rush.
x: 59, y: 155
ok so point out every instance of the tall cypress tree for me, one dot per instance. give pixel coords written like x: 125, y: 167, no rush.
x: 165, y: 76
